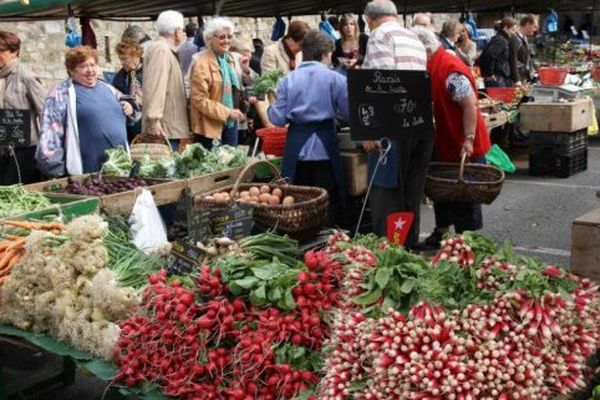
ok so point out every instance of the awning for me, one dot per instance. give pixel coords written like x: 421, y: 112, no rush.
x: 134, y: 9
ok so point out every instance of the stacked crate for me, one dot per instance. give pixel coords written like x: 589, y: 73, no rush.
x: 559, y: 154
x: 558, y: 133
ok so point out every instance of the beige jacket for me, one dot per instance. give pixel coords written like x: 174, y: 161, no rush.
x: 163, y: 91
x: 208, y: 114
x: 275, y: 57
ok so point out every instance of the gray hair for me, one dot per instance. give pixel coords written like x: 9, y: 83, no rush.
x: 421, y: 19
x: 315, y: 45
x: 451, y: 27
x: 216, y: 25
x: 428, y: 38
x: 168, y: 22
x: 380, y: 8
x: 135, y: 32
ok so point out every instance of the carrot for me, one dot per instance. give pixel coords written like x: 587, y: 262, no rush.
x: 17, y: 243
x: 8, y: 254
x: 20, y: 224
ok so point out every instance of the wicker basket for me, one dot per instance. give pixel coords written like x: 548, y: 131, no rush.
x: 465, y: 183
x: 302, y: 220
x: 155, y: 149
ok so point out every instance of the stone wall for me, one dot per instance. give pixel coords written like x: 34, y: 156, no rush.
x: 43, y: 46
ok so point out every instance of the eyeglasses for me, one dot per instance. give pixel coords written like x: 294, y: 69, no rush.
x: 224, y: 36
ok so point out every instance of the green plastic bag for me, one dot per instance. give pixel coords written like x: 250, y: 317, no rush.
x: 498, y: 158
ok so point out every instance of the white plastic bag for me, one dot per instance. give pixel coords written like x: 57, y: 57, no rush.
x: 147, y: 227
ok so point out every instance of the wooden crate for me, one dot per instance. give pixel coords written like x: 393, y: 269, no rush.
x: 585, y: 245
x: 495, y: 120
x: 557, y: 117
x: 206, y: 183
x: 357, y: 172
x: 163, y: 191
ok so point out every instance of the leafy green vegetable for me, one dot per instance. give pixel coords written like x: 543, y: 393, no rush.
x: 298, y: 357
x: 196, y: 160
x: 119, y: 162
x: 162, y: 168
x: 267, y: 82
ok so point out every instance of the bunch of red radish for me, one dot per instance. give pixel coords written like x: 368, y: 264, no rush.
x: 201, y: 343
x: 516, y: 347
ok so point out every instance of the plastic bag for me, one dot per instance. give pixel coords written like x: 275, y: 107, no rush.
x: 147, y: 227
x: 498, y: 158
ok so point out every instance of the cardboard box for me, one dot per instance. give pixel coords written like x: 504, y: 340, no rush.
x: 557, y: 117
x: 585, y: 245
x: 357, y: 171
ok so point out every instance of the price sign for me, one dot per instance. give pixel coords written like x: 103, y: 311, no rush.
x: 185, y: 257
x: 235, y: 222
x: 15, y: 127
x: 388, y: 103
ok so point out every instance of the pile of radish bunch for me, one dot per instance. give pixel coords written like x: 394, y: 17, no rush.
x: 516, y: 344
x: 193, y: 340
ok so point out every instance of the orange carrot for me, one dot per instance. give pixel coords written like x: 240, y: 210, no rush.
x: 8, y: 254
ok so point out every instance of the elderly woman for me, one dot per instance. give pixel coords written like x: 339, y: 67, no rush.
x: 466, y: 47
x: 460, y: 130
x: 309, y: 99
x: 215, y: 88
x: 350, y: 49
x: 19, y: 89
x: 129, y: 78
x: 82, y: 118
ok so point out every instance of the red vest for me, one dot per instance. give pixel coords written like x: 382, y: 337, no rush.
x: 449, y: 132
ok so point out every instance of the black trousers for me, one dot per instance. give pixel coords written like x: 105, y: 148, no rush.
x: 27, y: 166
x: 414, y: 158
x: 463, y: 216
x: 320, y: 174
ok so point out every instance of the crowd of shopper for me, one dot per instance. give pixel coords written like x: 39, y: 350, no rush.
x: 170, y: 89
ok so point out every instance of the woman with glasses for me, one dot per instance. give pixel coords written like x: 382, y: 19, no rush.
x: 215, y: 88
x: 82, y: 118
x: 19, y: 89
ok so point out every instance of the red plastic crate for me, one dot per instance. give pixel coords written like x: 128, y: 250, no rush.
x: 553, y: 76
x: 507, y: 95
x: 273, y: 140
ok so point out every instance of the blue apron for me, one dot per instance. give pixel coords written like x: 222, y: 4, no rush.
x: 297, y: 136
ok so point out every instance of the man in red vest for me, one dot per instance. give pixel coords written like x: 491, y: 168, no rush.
x: 459, y: 130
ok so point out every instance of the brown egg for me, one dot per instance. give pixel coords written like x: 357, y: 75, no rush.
x: 277, y: 192
x: 264, y: 198
x: 209, y: 197
x: 245, y: 193
x: 274, y: 200
x: 254, y: 191
x: 288, y: 201
x: 265, y: 189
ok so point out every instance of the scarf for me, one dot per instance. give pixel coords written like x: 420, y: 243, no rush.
x: 135, y: 86
x: 229, y: 82
x: 4, y: 73
x: 291, y: 56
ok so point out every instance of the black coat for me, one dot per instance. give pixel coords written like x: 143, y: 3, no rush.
x: 494, y: 61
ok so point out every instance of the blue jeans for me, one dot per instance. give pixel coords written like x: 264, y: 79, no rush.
x: 229, y: 136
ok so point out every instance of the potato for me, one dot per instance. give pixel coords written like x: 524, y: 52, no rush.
x: 265, y: 189
x: 254, y: 191
x: 288, y: 201
x: 277, y: 192
x: 264, y: 197
x: 274, y: 200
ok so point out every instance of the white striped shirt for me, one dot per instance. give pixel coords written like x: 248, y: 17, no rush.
x: 392, y: 47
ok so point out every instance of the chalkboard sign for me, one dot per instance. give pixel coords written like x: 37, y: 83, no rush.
x: 235, y: 222
x: 15, y: 127
x: 185, y: 257
x: 389, y: 103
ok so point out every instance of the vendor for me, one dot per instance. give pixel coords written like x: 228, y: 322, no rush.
x: 309, y: 99
x: 82, y: 118
x: 460, y: 130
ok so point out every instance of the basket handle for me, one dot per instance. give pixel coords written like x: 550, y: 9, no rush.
x: 144, y: 136
x: 487, y: 96
x: 462, y: 167
x: 250, y: 168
